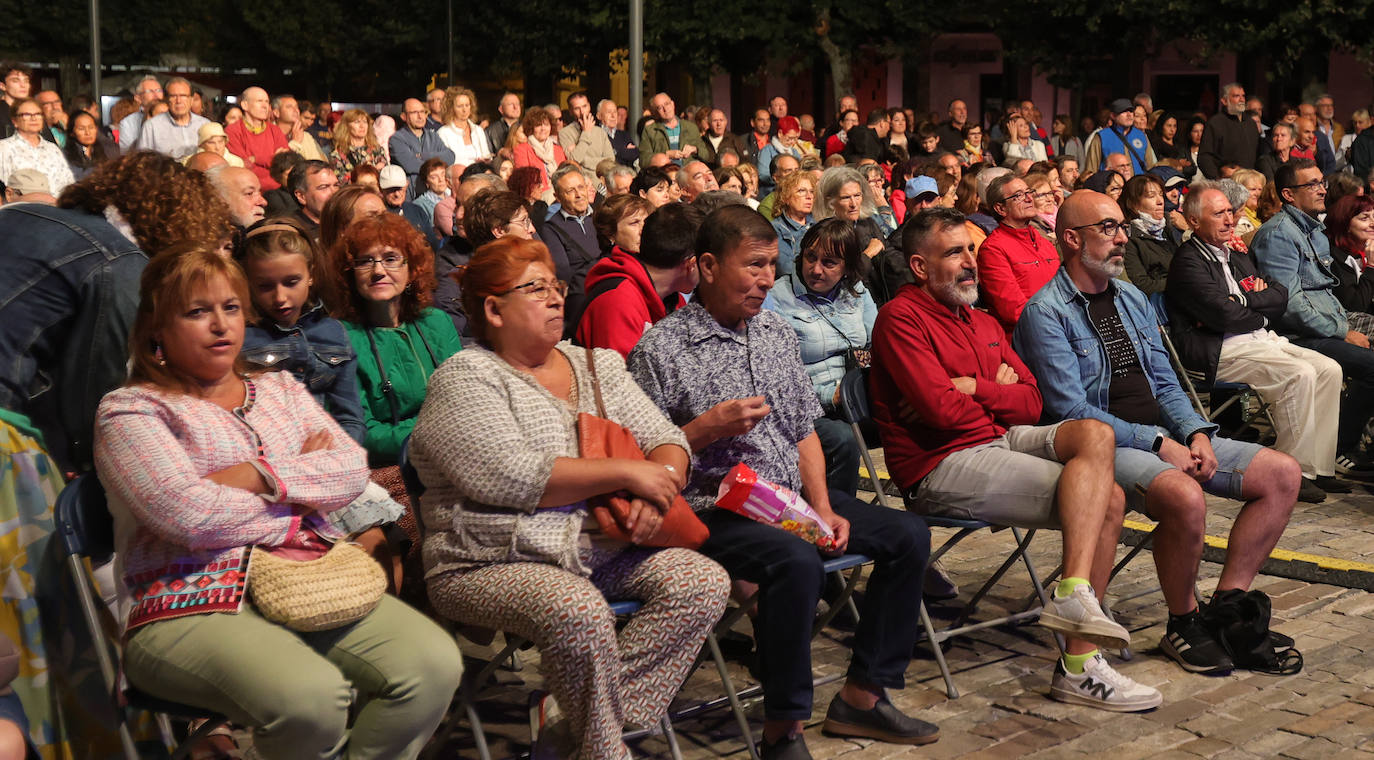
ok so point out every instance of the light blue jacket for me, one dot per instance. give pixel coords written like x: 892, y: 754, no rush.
x: 826, y: 328
x: 1292, y: 250
x: 1056, y: 339
x: 764, y: 165
x: 790, y: 235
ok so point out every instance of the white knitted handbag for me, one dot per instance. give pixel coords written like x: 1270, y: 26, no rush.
x: 340, y: 587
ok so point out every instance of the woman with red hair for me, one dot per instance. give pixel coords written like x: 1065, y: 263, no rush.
x: 509, y: 545
x: 384, y: 271
x: 1350, y: 227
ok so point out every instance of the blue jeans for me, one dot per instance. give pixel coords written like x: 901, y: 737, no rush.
x: 1358, y: 404
x: 841, y: 455
x: 788, y: 571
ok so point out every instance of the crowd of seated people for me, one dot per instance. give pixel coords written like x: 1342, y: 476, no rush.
x: 242, y: 322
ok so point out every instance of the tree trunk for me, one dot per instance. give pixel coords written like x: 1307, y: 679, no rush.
x: 840, y: 61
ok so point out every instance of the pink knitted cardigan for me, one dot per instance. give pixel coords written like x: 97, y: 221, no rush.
x: 182, y: 541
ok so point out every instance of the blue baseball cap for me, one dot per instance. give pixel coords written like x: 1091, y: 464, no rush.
x: 921, y: 184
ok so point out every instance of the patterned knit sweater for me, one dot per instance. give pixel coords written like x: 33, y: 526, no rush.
x: 484, y: 447
x: 182, y: 540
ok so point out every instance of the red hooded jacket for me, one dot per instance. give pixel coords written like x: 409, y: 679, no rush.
x: 617, y: 318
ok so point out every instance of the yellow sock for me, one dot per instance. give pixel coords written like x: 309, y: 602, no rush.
x: 1074, y: 662
x: 1067, y: 586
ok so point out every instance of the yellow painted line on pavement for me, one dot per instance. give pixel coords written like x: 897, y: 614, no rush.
x: 1282, y: 555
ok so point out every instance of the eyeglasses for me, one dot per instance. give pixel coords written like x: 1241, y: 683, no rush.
x: 390, y: 262
x: 28, y: 114
x: 1108, y: 227
x: 522, y: 222
x: 1313, y: 185
x: 539, y: 289
x: 1045, y: 195
x: 1015, y: 197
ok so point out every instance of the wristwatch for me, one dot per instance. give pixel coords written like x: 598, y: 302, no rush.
x: 1159, y: 442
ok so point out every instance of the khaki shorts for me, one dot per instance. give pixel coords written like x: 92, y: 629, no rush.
x: 1013, y: 480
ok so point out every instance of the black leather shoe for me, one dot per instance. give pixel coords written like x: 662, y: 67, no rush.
x: 884, y: 722
x: 791, y: 748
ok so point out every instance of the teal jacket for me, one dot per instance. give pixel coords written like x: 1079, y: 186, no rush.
x: 392, y: 393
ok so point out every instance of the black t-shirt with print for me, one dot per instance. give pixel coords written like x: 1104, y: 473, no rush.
x: 1129, y: 396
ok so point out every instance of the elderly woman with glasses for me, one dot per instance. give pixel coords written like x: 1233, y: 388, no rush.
x: 26, y: 148
x: 509, y: 545
x: 385, y: 271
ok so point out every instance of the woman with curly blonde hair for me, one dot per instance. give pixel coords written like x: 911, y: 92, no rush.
x: 69, y: 301
x: 460, y: 133
x: 355, y: 143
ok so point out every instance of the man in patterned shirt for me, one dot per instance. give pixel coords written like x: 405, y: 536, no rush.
x: 730, y: 374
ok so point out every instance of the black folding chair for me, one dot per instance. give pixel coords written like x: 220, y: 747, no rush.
x: 85, y: 531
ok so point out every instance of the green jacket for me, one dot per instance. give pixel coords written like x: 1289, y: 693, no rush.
x: 655, y: 140
x: 410, y: 354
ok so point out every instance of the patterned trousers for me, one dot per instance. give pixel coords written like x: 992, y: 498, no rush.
x: 602, y: 680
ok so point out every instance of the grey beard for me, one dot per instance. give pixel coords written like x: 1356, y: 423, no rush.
x: 954, y: 292
x: 1107, y: 268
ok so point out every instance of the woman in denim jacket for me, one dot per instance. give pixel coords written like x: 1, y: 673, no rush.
x: 792, y: 216
x: 825, y: 302
x: 294, y: 332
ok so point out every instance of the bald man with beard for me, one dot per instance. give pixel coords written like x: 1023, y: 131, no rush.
x: 1093, y: 342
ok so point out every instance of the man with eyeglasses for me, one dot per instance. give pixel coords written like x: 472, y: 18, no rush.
x: 415, y: 143
x: 1015, y: 261
x: 54, y: 118
x: 147, y: 93
x: 176, y: 132
x: 1093, y: 341
x: 1293, y: 251
x: 1221, y: 317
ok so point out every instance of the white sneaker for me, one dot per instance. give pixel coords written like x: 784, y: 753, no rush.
x: 1102, y: 687
x: 1079, y: 616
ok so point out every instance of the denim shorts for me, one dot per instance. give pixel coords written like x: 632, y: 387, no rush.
x: 1136, y: 469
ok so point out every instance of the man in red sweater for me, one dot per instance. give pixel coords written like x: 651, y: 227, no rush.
x: 1015, y: 261
x: 255, y: 139
x: 957, y: 410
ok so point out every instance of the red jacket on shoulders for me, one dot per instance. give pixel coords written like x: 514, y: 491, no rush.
x: 1012, y: 266
x: 918, y: 346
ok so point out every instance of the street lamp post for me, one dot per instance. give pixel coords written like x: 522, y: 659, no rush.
x: 636, y: 105
x: 95, y: 55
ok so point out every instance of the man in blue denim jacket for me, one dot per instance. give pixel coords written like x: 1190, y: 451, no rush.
x: 1292, y: 250
x: 1094, y: 343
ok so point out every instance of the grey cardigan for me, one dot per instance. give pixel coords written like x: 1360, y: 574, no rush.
x: 484, y: 446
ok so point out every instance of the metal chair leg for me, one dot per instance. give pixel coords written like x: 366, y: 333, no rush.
x: 670, y: 736
x: 936, y: 648
x: 730, y: 694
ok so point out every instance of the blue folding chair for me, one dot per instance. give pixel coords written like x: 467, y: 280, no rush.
x: 473, y: 683
x: 85, y: 531
x: 856, y: 409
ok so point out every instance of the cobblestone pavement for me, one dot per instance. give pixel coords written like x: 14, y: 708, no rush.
x: 1327, y: 711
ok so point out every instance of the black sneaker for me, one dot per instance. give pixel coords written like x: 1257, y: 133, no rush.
x: 884, y: 722
x: 790, y: 748
x: 1192, y: 646
x: 1333, y: 485
x: 1310, y: 493
x: 1354, y: 464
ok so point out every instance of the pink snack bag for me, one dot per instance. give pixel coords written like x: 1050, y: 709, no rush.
x: 745, y: 493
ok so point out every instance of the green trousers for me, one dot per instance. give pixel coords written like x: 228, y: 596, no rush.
x: 294, y: 689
